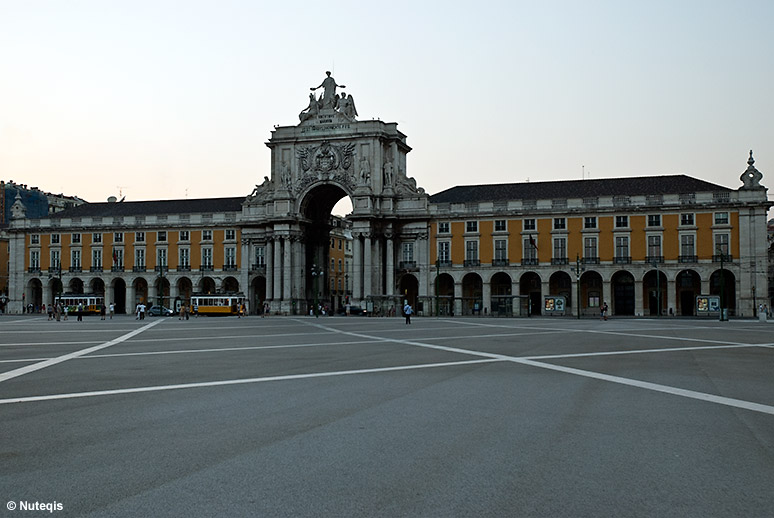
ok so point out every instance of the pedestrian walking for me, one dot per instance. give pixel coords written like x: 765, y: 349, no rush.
x: 604, y: 311
x: 50, y: 311
x: 102, y: 311
x: 407, y: 310
x: 112, y: 310
x: 80, y: 312
x: 65, y: 311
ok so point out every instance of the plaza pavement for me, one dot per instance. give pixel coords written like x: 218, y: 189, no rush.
x: 352, y: 416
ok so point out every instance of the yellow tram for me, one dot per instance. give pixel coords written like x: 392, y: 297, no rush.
x: 91, y: 303
x: 217, y: 305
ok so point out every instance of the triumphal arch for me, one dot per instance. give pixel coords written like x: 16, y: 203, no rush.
x: 328, y: 155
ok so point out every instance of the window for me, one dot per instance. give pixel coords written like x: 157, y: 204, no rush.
x: 340, y: 266
x: 590, y: 247
x: 721, y: 244
x: 96, y: 237
x: 206, y: 257
x: 206, y: 235
x: 161, y: 257
x: 55, y: 259
x: 654, y: 220
x: 118, y: 258
x: 621, y: 222
x: 408, y: 252
x: 529, y: 224
x: 54, y: 239
x: 339, y: 244
x: 687, y: 245
x: 230, y: 257
x: 501, y: 250
x: 590, y: 222
x: 139, y: 257
x: 139, y: 236
x: 230, y: 234
x: 161, y: 235
x: 654, y: 246
x: 560, y: 247
x: 721, y: 218
x: 118, y: 237
x: 471, y: 226
x: 333, y: 264
x: 76, y: 238
x: 260, y: 256
x: 96, y: 257
x: 686, y: 220
x: 530, y: 251
x: 185, y: 258
x: 35, y: 239
x: 622, y: 246
x: 471, y: 250
x: 444, y: 251
x: 443, y: 227
x: 35, y: 259
x: 560, y: 223
x: 185, y: 235
x: 500, y: 225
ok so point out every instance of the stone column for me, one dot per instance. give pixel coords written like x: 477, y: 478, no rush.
x: 244, y: 261
x: 269, y: 255
x: 423, y: 262
x: 129, y: 300
x: 152, y: 294
x: 545, y: 290
x: 299, y: 268
x: 486, y: 298
x: 607, y: 296
x: 639, y: 306
x: 457, y: 298
x: 277, y: 269
x: 368, y: 267
x: 47, y: 295
x: 705, y: 286
x: 390, y: 266
x: 287, y: 268
x: 671, y: 292
x: 109, y: 293
x: 357, y: 268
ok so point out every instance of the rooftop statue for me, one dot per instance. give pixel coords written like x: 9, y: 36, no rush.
x: 329, y: 92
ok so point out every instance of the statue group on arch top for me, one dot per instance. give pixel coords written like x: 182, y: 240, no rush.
x: 329, y: 101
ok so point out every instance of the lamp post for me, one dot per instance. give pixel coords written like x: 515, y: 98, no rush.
x: 722, y: 280
x: 316, y: 272
x: 658, y: 288
x: 578, y: 270
x: 161, y: 287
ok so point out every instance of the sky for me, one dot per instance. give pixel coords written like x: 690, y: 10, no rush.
x: 172, y: 99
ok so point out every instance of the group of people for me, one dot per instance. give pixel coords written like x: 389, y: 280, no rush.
x: 61, y: 312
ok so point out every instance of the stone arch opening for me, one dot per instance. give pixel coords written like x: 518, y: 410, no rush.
x: 591, y: 293
x: 119, y: 295
x: 230, y: 285
x: 97, y: 286
x: 723, y: 284
x: 315, y: 208
x: 409, y: 290
x: 529, y: 284
x: 258, y: 288
x: 560, y: 283
x: 688, y: 285
x: 140, y: 286
x: 472, y: 294
x: 34, y: 294
x: 501, y: 286
x: 623, y: 302
x: 184, y: 292
x: 75, y: 286
x: 207, y: 285
x: 654, y: 295
x: 444, y: 291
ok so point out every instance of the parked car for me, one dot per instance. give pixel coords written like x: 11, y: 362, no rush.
x: 157, y: 311
x: 353, y: 310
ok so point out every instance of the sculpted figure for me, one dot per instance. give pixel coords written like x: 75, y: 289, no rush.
x: 311, y: 110
x: 329, y: 91
x: 388, y: 174
x: 347, y: 106
x: 365, y: 171
x: 285, y: 175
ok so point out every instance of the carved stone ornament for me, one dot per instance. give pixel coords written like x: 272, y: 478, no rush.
x: 751, y: 178
x: 326, y: 162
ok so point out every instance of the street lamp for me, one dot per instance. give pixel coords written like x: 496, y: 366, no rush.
x: 578, y: 270
x: 658, y: 288
x: 722, y: 280
x: 316, y: 272
x: 161, y: 285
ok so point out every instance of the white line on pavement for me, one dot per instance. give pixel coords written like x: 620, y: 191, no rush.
x: 53, y: 361
x: 747, y: 405
x: 236, y: 382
